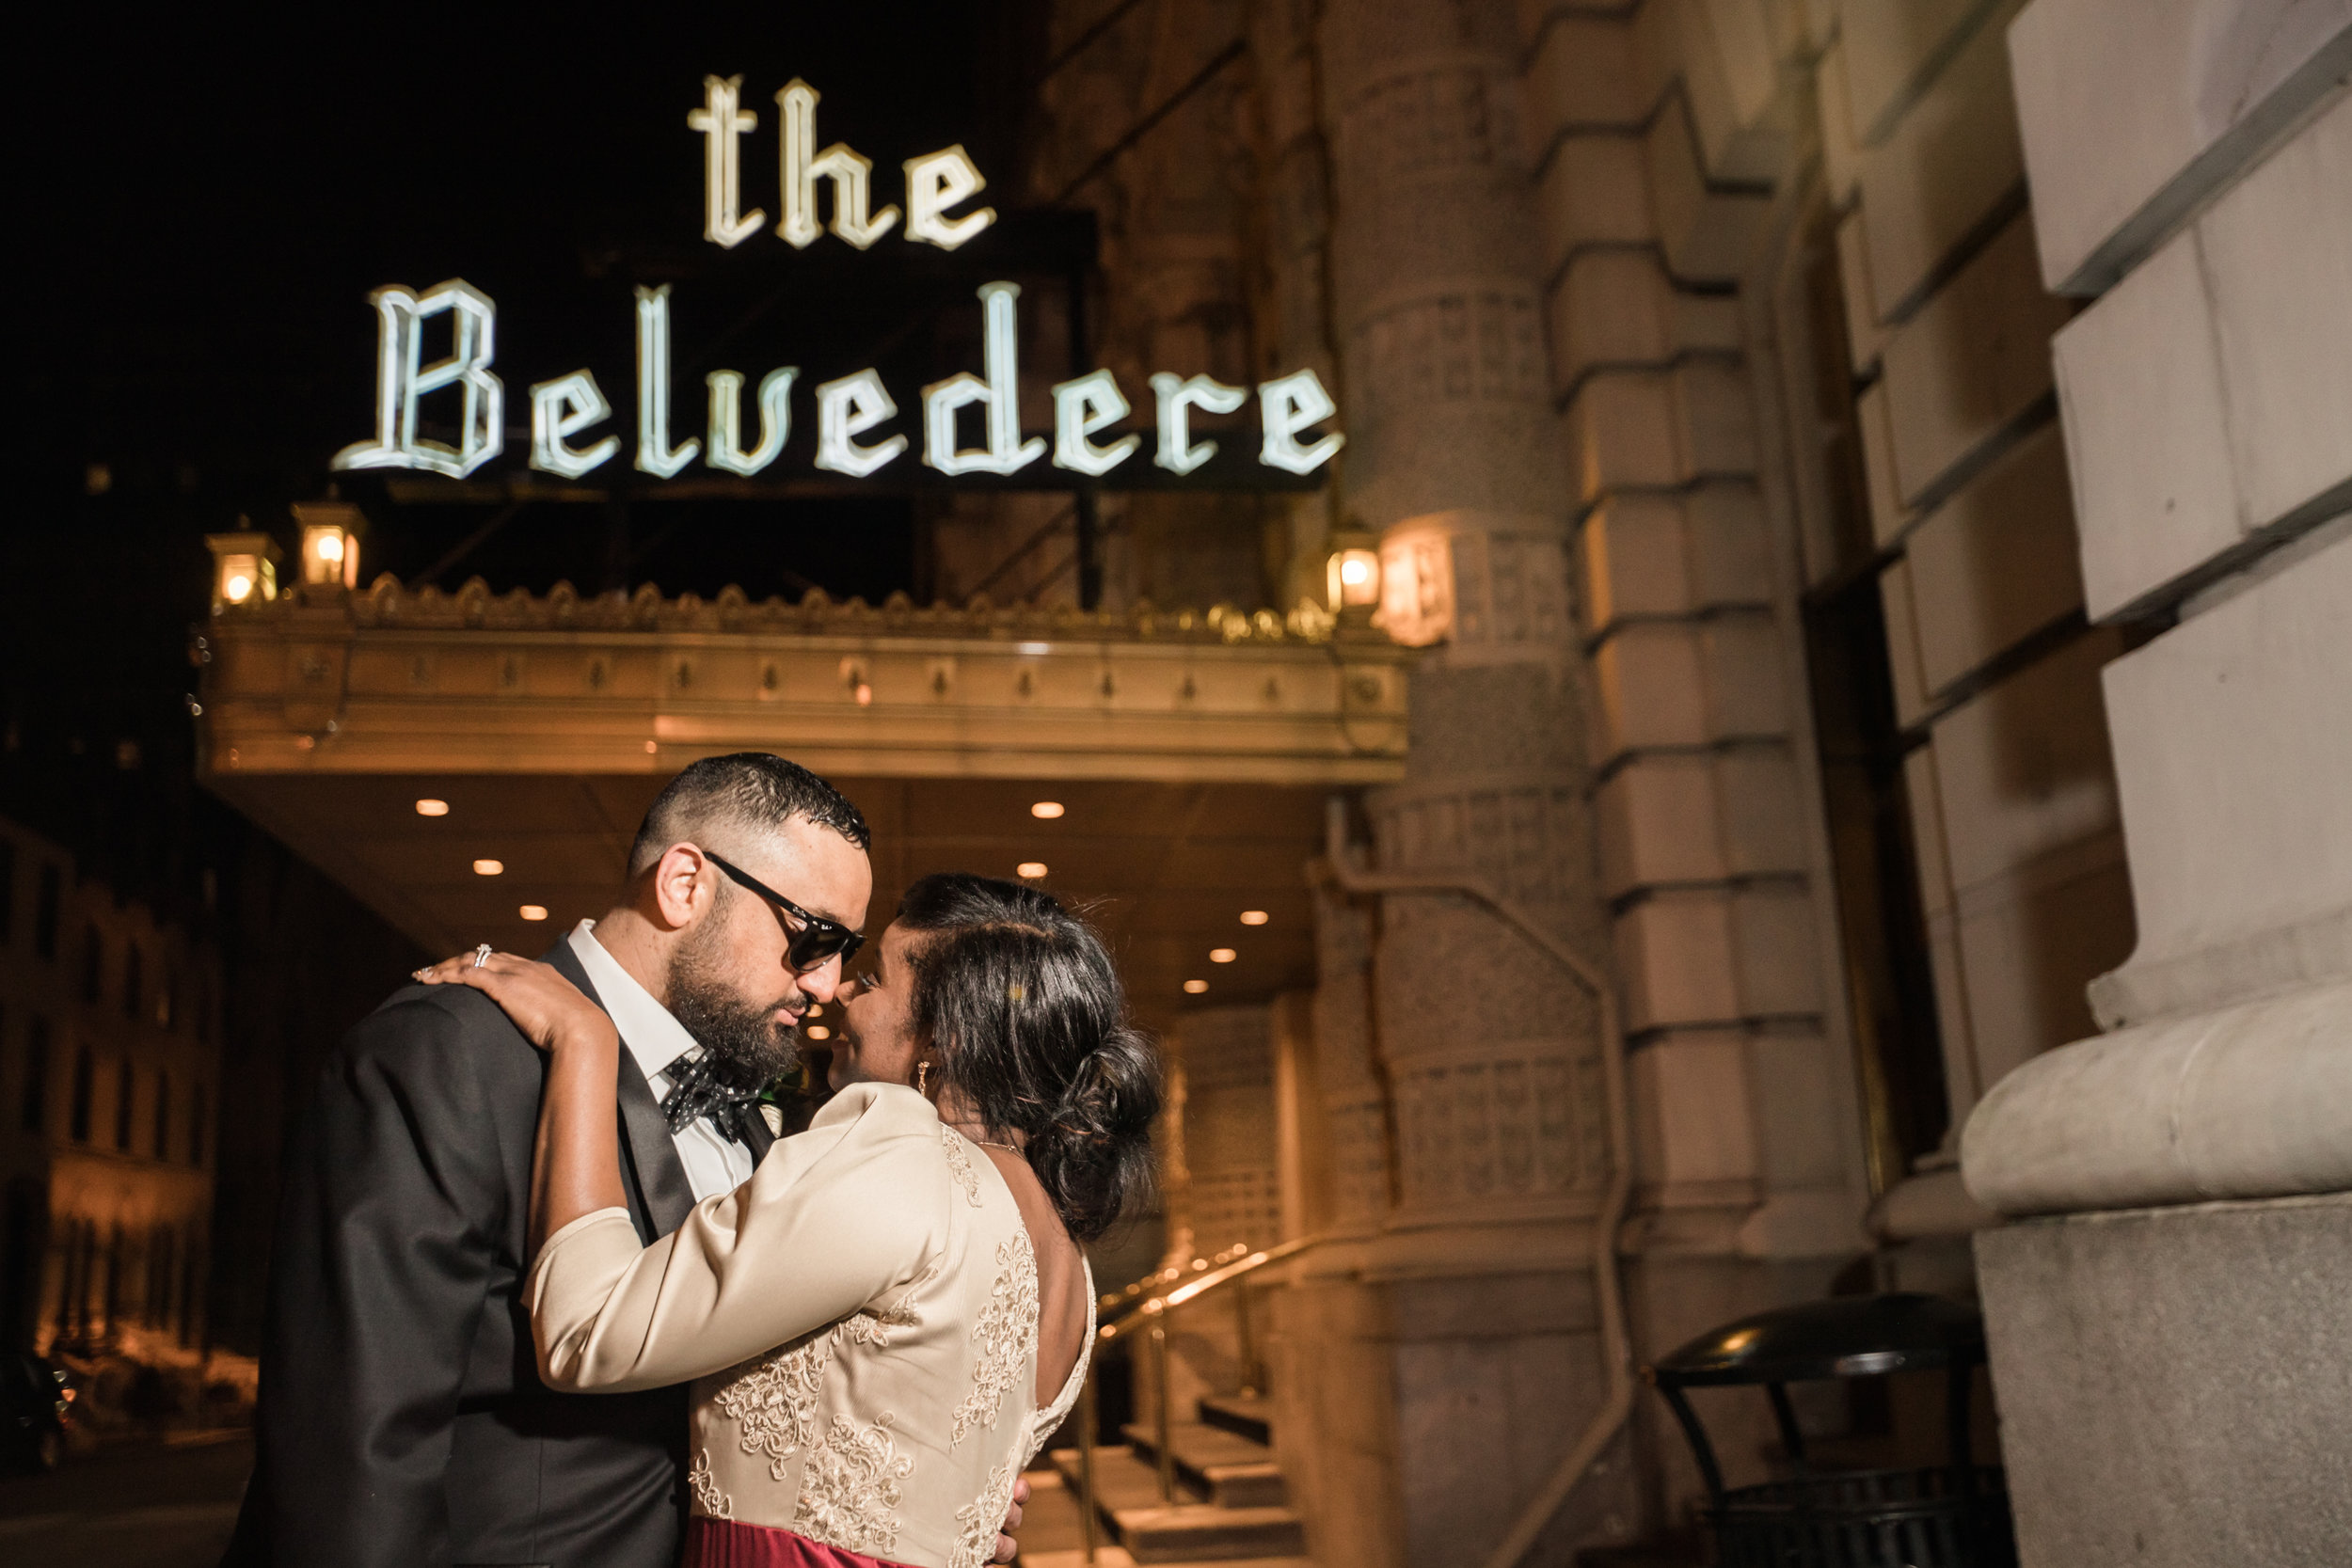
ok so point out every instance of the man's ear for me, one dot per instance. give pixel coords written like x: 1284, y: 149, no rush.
x: 681, y: 893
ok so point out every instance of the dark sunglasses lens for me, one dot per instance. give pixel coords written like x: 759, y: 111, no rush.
x: 817, y: 943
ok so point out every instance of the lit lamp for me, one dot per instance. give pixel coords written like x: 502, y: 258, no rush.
x: 331, y: 544
x: 1354, y: 572
x: 245, y: 568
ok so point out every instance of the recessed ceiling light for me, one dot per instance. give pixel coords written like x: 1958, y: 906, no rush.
x: 533, y: 911
x: 488, y: 868
x: 432, y: 808
x: 818, y: 1032
x: 816, y: 1009
x: 1048, y: 809
x: 1253, y: 917
x: 1030, y: 870
x: 1194, y: 987
x: 1222, y: 954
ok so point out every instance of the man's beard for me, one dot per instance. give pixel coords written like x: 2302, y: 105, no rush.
x: 746, y: 1044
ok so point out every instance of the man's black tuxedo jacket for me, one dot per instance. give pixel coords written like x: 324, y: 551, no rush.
x: 403, y: 1424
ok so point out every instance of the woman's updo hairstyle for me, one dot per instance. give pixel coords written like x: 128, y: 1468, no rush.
x: 1023, y: 1005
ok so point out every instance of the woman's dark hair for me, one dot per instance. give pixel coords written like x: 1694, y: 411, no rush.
x: 1023, y: 1004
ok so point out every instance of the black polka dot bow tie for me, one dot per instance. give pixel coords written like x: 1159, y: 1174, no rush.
x: 696, y: 1089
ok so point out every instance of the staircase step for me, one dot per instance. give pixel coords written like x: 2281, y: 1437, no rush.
x: 1250, y: 1416
x: 1127, y: 1494
x: 1231, y: 1470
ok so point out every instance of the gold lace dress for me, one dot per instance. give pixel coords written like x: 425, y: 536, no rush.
x: 860, y: 1321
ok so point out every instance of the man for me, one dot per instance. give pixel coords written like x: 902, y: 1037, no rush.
x: 403, y: 1424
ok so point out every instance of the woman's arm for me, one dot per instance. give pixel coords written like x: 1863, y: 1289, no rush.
x: 576, y: 1164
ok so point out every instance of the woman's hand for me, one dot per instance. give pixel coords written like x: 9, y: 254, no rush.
x: 549, y: 1011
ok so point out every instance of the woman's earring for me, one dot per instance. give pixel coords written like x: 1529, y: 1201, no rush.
x: 922, y: 1079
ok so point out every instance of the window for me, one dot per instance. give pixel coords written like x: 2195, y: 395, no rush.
x: 162, y: 1115
x: 126, y: 1089
x: 93, y: 962
x: 7, y: 888
x: 133, y: 980
x: 196, y: 1128
x: 34, y: 1113
x: 85, y: 1086
x: 45, y: 912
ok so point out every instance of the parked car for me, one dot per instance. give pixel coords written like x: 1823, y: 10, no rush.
x: 35, y: 1399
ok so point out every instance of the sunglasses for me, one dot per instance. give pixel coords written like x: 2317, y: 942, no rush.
x: 816, y: 942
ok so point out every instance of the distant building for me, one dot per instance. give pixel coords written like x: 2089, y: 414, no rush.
x: 109, y: 1086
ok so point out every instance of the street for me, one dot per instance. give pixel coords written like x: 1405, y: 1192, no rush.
x: 163, y: 1505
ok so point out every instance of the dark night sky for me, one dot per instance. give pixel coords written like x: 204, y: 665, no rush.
x: 204, y: 197
x: 213, y: 195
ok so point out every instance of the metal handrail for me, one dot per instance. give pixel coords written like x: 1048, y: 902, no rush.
x: 1195, y: 1285
x: 1161, y: 1293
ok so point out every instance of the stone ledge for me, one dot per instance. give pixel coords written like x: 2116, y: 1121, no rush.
x: 2253, y: 1101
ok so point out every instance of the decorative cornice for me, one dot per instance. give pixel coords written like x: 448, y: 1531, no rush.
x: 390, y: 606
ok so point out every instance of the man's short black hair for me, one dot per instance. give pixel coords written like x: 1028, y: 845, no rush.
x: 750, y: 791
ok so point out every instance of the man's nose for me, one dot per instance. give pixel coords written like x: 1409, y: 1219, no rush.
x: 824, y: 982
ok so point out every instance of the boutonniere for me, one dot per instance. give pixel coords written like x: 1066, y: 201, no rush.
x: 786, y: 1100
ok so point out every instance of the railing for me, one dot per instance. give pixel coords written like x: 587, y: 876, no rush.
x: 1143, y: 1307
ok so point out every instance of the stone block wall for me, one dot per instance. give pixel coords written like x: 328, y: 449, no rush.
x: 2178, y: 1182
x: 2011, y: 790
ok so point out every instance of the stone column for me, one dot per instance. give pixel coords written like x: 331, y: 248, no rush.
x: 1458, y: 1358
x: 2181, y: 1186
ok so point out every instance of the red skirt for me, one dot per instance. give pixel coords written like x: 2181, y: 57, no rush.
x: 730, y: 1544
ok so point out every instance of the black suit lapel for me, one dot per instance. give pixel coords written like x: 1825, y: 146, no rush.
x: 659, y: 1196
x: 751, y: 1129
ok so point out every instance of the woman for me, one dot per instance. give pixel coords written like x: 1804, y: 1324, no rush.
x: 884, y: 1324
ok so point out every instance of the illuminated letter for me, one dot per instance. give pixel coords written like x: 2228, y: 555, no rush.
x: 655, y: 455
x: 844, y: 408
x: 1287, y: 406
x: 562, y: 407
x: 1179, y: 453
x: 936, y: 182
x: 720, y: 123
x: 803, y: 166
x: 1081, y: 408
x: 1006, y: 450
x: 725, y: 448
x: 401, y: 382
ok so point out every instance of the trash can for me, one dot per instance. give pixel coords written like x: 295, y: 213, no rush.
x: 1946, y: 1517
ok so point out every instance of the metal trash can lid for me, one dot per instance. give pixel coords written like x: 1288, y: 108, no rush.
x: 1844, y: 1337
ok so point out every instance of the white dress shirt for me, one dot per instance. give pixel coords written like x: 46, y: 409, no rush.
x: 714, y: 1163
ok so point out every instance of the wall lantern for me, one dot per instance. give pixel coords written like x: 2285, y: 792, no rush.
x: 1354, y: 579
x: 331, y: 544
x: 245, y: 568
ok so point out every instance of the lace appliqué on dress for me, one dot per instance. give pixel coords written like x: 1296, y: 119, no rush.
x: 978, y: 1521
x: 849, y: 1486
x: 775, y: 1402
x: 705, y: 1487
x: 1006, y: 1334
x: 959, y: 1164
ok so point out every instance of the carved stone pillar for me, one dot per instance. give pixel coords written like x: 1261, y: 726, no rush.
x: 1447, y: 1362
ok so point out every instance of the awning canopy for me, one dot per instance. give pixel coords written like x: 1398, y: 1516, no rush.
x: 1190, y: 753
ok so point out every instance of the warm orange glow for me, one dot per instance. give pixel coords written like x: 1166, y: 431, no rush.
x: 533, y: 911
x: 432, y: 808
x: 1031, y: 870
x: 1253, y: 917
x: 1047, y: 810
x: 488, y: 868
x: 818, y: 1032
x: 1222, y: 954
x: 1194, y: 987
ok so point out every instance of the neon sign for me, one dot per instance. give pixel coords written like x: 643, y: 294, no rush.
x: 566, y: 409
